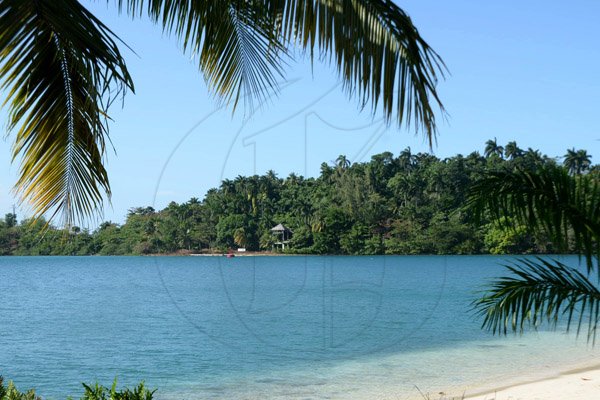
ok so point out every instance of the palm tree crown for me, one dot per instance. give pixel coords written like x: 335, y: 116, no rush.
x: 406, y: 158
x: 342, y: 163
x: 62, y: 68
x: 492, y: 147
x: 512, y: 151
x: 566, y: 209
x: 577, y: 161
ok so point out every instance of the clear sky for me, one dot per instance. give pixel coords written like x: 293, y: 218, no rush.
x: 525, y: 71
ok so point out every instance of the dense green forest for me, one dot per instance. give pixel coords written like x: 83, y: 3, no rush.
x: 409, y: 204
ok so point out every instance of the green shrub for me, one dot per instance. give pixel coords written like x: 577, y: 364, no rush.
x: 91, y: 392
x: 10, y: 392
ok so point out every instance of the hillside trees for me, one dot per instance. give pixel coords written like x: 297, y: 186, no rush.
x: 405, y: 204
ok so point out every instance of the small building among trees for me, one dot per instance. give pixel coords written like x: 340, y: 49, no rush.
x: 283, y: 235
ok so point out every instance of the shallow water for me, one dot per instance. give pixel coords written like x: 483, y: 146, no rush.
x: 255, y: 327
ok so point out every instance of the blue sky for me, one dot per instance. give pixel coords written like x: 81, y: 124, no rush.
x: 524, y: 71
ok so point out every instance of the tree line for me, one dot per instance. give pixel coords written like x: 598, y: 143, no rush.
x: 405, y: 204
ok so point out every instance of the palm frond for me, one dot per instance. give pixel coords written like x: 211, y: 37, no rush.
x: 540, y: 291
x: 378, y: 52
x: 547, y: 200
x: 61, y: 67
x: 234, y: 41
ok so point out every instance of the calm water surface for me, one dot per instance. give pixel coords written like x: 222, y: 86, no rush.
x: 256, y: 327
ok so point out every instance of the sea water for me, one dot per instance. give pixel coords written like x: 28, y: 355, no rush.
x: 264, y: 327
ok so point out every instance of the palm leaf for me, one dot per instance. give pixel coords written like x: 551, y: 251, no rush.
x: 547, y: 200
x: 377, y: 50
x: 234, y: 41
x: 540, y: 290
x: 61, y: 67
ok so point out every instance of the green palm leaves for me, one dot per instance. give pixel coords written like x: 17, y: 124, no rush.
x: 234, y: 41
x: 540, y: 290
x: 377, y: 50
x: 577, y: 161
x: 565, y: 208
x: 492, y: 148
x: 242, y: 45
x: 61, y: 67
x: 547, y: 200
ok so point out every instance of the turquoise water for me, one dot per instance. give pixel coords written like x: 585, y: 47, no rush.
x: 256, y: 327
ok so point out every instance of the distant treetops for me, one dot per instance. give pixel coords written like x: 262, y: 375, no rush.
x: 405, y: 204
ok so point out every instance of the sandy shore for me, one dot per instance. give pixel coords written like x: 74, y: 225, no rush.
x: 243, y: 254
x: 572, y: 385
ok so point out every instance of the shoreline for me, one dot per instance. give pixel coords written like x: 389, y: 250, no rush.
x: 278, y: 254
x: 582, y: 382
x: 240, y: 254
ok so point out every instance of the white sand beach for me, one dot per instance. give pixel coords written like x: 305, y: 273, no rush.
x: 572, y: 385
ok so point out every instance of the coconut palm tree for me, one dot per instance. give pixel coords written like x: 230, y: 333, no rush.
x: 566, y: 209
x: 292, y: 179
x: 534, y: 158
x: 239, y: 237
x: 491, y: 147
x: 577, y: 161
x: 342, y: 163
x: 62, y: 68
x: 406, y: 159
x: 512, y: 151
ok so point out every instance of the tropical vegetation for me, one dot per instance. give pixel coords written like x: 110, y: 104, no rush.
x: 91, y: 392
x: 563, y: 205
x: 62, y: 68
x: 405, y: 204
